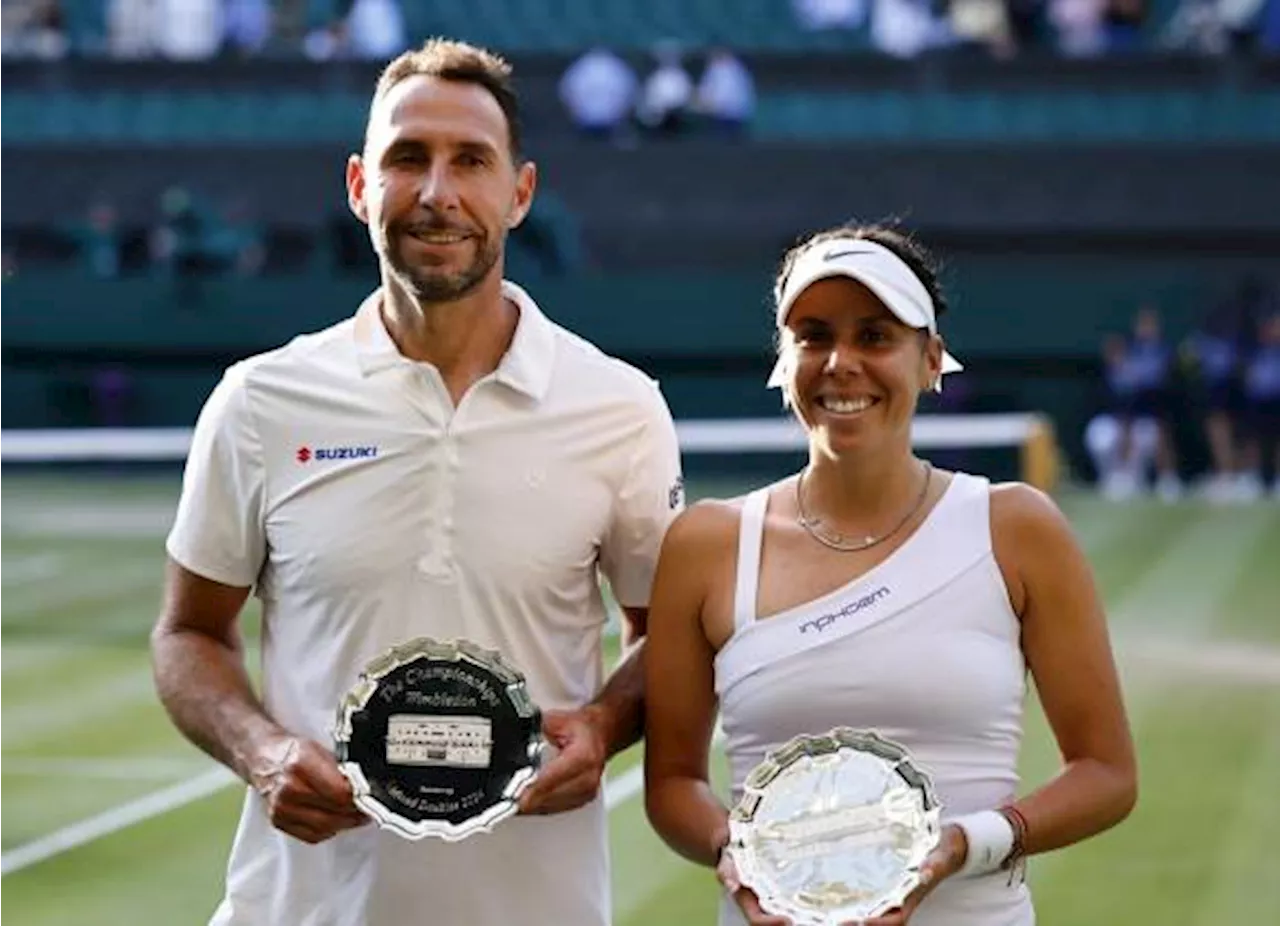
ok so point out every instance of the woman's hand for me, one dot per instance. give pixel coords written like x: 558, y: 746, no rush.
x: 945, y: 860
x: 746, y: 898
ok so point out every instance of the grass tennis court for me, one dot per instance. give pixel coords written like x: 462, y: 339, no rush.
x: 1193, y: 593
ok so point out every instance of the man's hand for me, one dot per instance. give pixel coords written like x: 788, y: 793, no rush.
x: 306, y: 794
x: 572, y: 778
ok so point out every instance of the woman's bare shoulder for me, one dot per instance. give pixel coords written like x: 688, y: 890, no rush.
x: 1023, y: 510
x: 708, y: 525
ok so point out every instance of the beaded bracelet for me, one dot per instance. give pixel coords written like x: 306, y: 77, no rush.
x: 1015, y: 861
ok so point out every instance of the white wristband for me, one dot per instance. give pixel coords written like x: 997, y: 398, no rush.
x: 990, y: 837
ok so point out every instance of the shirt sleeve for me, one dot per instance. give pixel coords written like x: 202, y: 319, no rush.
x: 651, y: 496
x: 218, y: 531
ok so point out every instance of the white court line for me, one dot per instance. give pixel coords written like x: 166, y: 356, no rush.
x: 164, y: 769
x: 114, y: 820
x: 624, y: 787
x: 93, y: 581
x: 134, y: 519
x: 616, y: 791
x: 1220, y: 660
x: 34, y: 568
x: 96, y: 701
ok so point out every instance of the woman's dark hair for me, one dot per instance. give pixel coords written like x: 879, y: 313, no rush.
x: 912, y: 253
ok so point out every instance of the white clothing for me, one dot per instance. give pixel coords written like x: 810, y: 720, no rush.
x: 904, y: 28
x: 924, y: 648
x: 1080, y: 25
x: 188, y: 30
x: 131, y: 28
x: 669, y: 89
x: 599, y: 89
x: 829, y: 14
x: 335, y: 475
x: 376, y: 29
x: 726, y: 90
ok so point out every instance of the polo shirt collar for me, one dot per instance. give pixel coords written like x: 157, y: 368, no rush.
x: 526, y: 366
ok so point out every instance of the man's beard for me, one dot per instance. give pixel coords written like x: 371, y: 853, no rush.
x: 439, y: 286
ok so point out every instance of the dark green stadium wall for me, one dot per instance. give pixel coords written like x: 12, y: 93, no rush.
x: 1062, y: 195
x: 1030, y: 306
x: 1029, y: 327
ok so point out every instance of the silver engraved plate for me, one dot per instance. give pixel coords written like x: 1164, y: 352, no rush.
x: 438, y: 739
x: 834, y: 828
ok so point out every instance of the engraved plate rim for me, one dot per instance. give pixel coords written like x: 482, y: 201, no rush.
x: 892, y: 755
x: 357, y: 698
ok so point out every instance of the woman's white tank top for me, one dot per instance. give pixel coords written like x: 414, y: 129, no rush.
x: 923, y: 648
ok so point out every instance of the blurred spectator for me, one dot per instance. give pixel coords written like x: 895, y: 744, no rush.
x: 326, y: 43
x: 1124, y: 20
x: 247, y: 26
x: 726, y: 93
x: 178, y: 241
x: 1080, y: 26
x: 1217, y: 27
x: 131, y: 28
x: 35, y: 29
x: 817, y: 15
x: 1133, y: 433
x: 187, y: 30
x: 235, y: 244
x: 1269, y: 33
x: 1216, y: 351
x: 1026, y: 22
x: 982, y: 24
x: 99, y: 240
x: 1243, y: 20
x: 111, y: 395
x: 667, y: 92
x: 599, y: 92
x: 905, y: 28
x: 1262, y: 406
x: 376, y: 29
x: 1119, y: 450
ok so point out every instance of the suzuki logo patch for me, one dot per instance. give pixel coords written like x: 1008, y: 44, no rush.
x: 305, y: 454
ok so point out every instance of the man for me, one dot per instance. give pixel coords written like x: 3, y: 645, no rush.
x: 447, y: 463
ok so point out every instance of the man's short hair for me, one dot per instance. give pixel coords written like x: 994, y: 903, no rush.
x: 448, y: 59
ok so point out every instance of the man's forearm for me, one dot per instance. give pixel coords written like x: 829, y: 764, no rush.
x: 619, y: 707
x: 203, y: 685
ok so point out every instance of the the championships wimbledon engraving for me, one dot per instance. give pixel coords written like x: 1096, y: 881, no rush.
x: 834, y: 828
x: 438, y: 739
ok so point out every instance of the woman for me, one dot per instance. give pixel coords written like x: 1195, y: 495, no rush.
x: 936, y: 592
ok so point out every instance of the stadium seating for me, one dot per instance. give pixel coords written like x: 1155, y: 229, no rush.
x: 263, y: 118
x: 568, y: 25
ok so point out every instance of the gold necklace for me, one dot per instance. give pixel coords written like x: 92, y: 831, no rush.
x: 835, y: 541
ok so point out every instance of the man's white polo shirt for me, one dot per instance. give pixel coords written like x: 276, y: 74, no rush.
x: 336, y: 476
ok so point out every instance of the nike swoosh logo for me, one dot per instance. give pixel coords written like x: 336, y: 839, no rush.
x: 832, y: 255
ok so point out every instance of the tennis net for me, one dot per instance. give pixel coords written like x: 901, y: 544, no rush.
x: 706, y: 443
